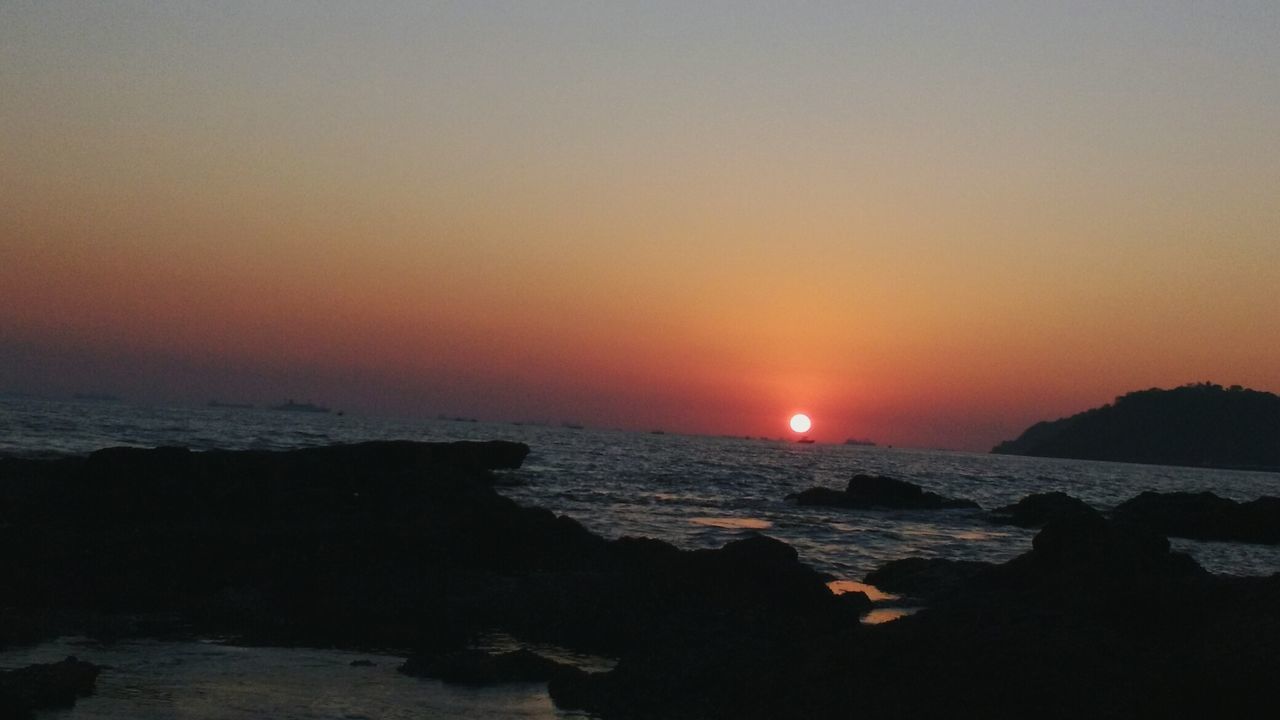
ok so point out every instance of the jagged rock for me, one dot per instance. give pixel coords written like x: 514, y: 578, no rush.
x: 1205, y: 516
x: 870, y: 491
x: 407, y: 546
x: 1036, y: 510
x: 926, y: 578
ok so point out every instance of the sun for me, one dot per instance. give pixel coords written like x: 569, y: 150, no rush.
x: 801, y: 423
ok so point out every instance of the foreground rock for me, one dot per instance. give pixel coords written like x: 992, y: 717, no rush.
x: 408, y: 545
x: 1098, y: 620
x: 372, y: 546
x: 1205, y: 516
x: 43, y: 687
x: 1038, y: 509
x: 929, y: 579
x: 866, y: 492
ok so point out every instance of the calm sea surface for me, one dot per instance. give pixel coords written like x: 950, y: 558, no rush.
x: 692, y: 491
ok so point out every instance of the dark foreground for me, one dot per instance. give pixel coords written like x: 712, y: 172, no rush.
x: 407, y: 546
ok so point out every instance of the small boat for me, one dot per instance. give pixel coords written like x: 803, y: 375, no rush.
x: 230, y: 405
x: 806, y: 440
x: 291, y: 406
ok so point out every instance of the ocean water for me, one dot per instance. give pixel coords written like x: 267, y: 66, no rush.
x: 689, y: 490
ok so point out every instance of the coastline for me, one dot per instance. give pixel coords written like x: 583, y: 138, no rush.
x: 408, y: 545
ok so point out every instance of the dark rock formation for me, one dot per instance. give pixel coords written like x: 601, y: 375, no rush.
x: 1205, y: 516
x: 870, y: 491
x: 926, y: 578
x: 1199, y: 425
x: 1038, y: 509
x: 1099, y: 619
x: 377, y: 545
x: 40, y: 687
x: 408, y: 545
x: 341, y: 545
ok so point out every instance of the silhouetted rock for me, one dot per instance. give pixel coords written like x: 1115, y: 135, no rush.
x: 408, y: 545
x: 39, y: 687
x: 1038, y: 509
x: 1199, y: 425
x: 926, y: 578
x: 870, y: 491
x: 1205, y: 516
x: 480, y: 667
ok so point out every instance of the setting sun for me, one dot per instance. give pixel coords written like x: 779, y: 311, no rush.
x: 801, y: 423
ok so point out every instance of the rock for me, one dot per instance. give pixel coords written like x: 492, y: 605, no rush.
x: 927, y: 578
x: 1036, y: 510
x: 1205, y: 516
x: 408, y: 545
x: 1088, y: 544
x: 38, y: 687
x: 870, y: 491
x: 480, y: 667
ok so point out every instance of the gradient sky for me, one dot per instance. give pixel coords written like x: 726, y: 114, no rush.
x: 929, y: 224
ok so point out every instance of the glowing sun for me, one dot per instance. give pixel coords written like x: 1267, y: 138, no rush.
x: 801, y: 423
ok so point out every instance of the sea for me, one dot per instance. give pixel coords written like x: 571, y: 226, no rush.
x: 693, y: 491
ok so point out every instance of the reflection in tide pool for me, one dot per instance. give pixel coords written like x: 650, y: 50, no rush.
x: 873, y: 593
x: 154, y: 680
x: 879, y: 616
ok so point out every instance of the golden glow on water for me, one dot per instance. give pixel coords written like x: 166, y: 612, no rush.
x: 883, y: 615
x: 873, y: 593
x: 732, y: 523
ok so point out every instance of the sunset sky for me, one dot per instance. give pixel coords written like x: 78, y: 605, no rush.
x: 929, y: 224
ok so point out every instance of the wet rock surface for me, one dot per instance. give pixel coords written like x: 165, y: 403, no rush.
x: 866, y: 492
x: 1205, y: 516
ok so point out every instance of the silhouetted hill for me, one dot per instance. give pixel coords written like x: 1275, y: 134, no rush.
x: 1199, y: 425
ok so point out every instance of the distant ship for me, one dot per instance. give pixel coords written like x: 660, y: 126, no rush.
x: 291, y: 406
x: 230, y: 405
x: 806, y: 440
x: 571, y: 425
x: 855, y: 441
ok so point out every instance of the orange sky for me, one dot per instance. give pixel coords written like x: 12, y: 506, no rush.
x: 923, y: 228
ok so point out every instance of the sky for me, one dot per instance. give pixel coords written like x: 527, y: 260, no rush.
x: 927, y: 224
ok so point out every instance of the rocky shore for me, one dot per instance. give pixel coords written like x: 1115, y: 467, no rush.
x: 407, y: 546
x: 872, y: 491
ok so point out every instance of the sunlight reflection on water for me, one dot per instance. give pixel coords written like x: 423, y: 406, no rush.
x: 693, y: 491
x: 732, y: 523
